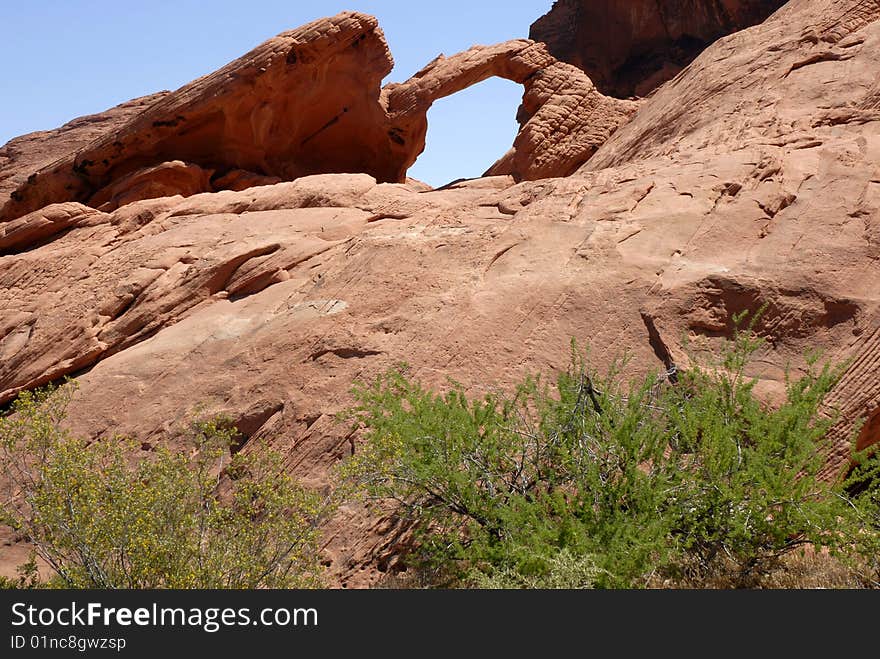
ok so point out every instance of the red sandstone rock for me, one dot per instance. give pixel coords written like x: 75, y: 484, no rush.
x: 630, y: 48
x: 240, y: 179
x: 301, y: 103
x: 30, y: 230
x: 25, y: 155
x: 164, y: 180
x: 751, y: 177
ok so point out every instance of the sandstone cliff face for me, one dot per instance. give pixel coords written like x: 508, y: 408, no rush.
x: 631, y: 48
x: 752, y: 176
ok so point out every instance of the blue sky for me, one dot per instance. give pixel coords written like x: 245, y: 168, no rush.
x: 66, y: 58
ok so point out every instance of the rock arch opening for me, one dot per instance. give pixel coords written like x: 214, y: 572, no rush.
x: 563, y: 119
x: 478, y: 126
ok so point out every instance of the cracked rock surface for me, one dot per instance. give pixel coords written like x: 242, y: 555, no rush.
x: 753, y: 176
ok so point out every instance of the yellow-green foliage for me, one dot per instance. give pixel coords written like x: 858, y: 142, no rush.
x: 564, y: 571
x: 106, y: 514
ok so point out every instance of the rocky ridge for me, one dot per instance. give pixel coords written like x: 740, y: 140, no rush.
x: 309, y: 102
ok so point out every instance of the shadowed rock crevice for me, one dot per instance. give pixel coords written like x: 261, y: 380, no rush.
x: 631, y: 48
x: 870, y: 434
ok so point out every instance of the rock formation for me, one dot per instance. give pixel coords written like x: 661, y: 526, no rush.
x: 751, y: 177
x: 630, y: 48
x: 309, y: 102
x: 306, y: 101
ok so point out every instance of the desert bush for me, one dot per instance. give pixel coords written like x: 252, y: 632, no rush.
x: 632, y: 481
x: 105, y: 514
x: 28, y: 577
x: 750, y: 491
x: 863, y: 486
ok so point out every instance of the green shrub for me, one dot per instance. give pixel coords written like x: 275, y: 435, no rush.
x: 105, y: 514
x: 751, y: 491
x: 863, y: 484
x: 28, y: 577
x: 634, y: 481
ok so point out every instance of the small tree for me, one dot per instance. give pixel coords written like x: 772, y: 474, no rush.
x: 107, y: 515
x: 523, y: 486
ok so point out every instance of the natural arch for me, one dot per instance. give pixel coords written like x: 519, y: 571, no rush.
x: 563, y: 119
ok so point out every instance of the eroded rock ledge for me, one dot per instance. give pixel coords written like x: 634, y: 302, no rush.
x: 309, y: 102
